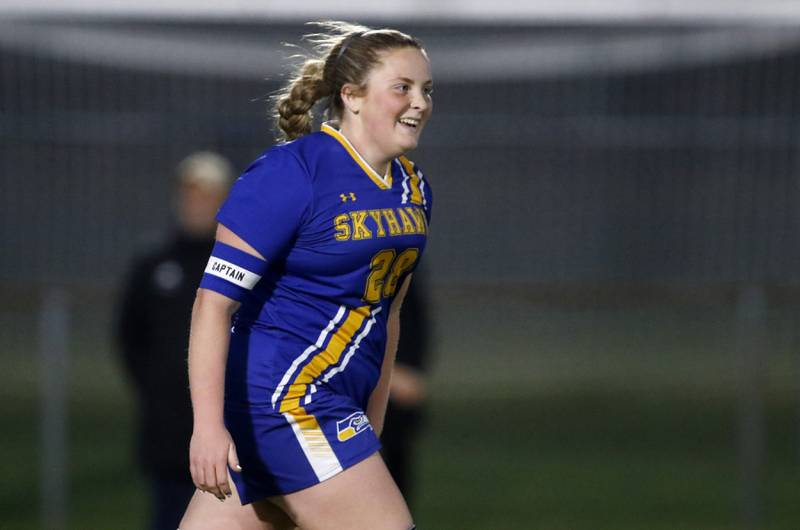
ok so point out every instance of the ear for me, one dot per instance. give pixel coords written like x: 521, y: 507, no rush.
x: 351, y: 98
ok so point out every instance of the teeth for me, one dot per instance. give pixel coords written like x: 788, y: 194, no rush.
x: 409, y: 121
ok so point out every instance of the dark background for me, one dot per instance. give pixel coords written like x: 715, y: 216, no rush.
x: 613, y: 260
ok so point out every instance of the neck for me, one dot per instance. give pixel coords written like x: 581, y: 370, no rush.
x: 359, y: 139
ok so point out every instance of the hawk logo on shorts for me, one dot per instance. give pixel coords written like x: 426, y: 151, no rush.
x: 353, y: 424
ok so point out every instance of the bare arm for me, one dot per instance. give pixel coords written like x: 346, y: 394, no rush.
x: 208, y: 352
x: 376, y: 408
x: 211, y: 449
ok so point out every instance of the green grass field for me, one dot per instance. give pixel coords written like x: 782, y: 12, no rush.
x: 551, y: 419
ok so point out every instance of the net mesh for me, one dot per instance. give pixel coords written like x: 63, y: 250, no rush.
x: 680, y: 173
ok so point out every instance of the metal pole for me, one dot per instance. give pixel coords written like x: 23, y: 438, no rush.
x: 53, y: 364
x: 751, y: 351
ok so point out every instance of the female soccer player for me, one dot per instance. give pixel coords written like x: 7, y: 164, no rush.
x: 295, y: 324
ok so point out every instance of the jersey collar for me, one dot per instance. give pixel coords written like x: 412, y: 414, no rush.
x: 383, y: 182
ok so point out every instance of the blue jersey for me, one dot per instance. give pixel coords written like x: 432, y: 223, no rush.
x: 339, y: 239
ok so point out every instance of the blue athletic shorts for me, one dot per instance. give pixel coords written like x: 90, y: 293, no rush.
x: 286, y: 452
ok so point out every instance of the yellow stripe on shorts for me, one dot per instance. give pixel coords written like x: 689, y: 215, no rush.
x: 306, y: 427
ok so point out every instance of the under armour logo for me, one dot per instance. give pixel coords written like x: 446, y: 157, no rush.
x: 349, y: 197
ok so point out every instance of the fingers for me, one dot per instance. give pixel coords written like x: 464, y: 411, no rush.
x: 233, y: 459
x: 198, y: 476
x: 212, y: 479
x: 221, y: 488
x: 210, y: 455
x: 233, y: 462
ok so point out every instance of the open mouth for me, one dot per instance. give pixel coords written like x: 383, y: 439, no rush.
x: 412, y: 123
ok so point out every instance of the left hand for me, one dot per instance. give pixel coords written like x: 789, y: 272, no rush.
x: 408, y: 388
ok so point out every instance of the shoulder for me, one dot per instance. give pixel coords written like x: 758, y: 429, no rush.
x: 318, y: 151
x: 275, y: 187
x: 279, y: 161
x: 278, y: 169
x: 301, y: 157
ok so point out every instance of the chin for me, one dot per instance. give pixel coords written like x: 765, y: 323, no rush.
x: 407, y: 144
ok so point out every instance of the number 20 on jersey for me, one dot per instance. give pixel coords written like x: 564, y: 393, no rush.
x: 386, y: 267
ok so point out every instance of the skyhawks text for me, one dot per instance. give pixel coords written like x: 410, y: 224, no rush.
x: 367, y: 224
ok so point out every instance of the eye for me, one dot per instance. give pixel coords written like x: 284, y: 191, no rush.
x: 428, y: 90
x: 403, y: 87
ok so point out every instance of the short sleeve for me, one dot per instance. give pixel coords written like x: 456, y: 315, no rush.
x: 269, y: 203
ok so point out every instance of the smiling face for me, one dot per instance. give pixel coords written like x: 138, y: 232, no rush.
x: 387, y: 117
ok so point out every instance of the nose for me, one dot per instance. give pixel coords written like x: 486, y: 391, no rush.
x: 419, y: 101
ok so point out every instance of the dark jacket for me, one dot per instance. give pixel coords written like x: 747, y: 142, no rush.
x: 153, y: 334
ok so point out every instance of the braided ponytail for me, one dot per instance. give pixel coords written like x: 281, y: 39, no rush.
x: 293, y: 105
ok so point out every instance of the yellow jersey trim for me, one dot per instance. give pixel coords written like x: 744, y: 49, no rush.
x: 384, y: 182
x: 414, y: 180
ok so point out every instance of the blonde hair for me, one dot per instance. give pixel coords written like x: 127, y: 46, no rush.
x: 206, y: 169
x: 345, y: 53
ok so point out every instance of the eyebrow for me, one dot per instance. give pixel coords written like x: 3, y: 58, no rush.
x: 407, y: 80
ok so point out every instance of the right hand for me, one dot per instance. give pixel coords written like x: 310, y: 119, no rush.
x: 210, y: 452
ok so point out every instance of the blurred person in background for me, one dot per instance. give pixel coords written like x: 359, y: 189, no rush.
x: 408, y: 393
x: 315, y: 250
x: 152, y: 330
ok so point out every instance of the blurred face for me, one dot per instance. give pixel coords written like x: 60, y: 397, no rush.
x: 397, y: 102
x: 197, y: 206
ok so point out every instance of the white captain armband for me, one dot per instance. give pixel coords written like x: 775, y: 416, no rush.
x: 232, y: 272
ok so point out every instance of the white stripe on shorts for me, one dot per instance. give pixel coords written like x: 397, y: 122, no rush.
x: 316, y: 448
x: 353, y: 347
x: 320, y: 341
